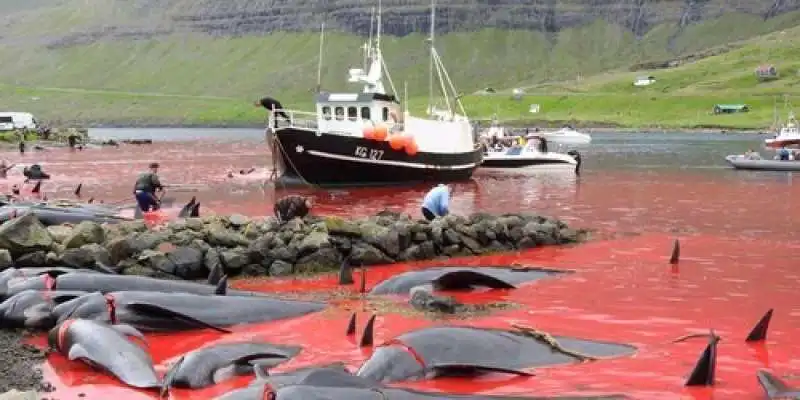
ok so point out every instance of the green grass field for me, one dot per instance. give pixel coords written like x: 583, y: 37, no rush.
x: 579, y: 76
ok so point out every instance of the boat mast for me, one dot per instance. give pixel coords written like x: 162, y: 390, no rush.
x: 431, y: 50
x: 321, y: 47
x: 368, y: 45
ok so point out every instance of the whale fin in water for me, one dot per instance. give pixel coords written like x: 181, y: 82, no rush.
x: 774, y: 387
x: 195, y: 211
x: 78, y: 190
x: 156, y: 310
x: 759, y: 331
x: 368, y: 336
x: 186, y: 211
x: 705, y: 369
x: 351, y: 326
x: 222, y: 286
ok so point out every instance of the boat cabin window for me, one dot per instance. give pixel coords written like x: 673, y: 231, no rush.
x: 385, y: 114
x: 326, y: 113
x: 340, y: 113
x: 352, y: 113
x: 6, y: 119
x: 364, y: 112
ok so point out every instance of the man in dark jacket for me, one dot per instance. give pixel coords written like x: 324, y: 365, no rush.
x: 291, y: 207
x: 145, y: 190
x: 271, y: 104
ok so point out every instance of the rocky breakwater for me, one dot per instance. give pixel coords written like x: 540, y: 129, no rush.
x: 196, y: 248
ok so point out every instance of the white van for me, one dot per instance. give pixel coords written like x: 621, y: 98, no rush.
x: 16, y: 120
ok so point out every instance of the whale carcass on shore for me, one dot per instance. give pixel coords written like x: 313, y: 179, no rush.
x: 443, y: 350
x: 151, y: 311
x: 334, y: 382
x: 33, y: 308
x: 105, y: 283
x: 209, y: 365
x: 106, y: 347
x: 460, y: 278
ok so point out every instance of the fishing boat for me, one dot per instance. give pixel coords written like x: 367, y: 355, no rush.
x: 367, y: 139
x: 788, y: 134
x: 567, y: 135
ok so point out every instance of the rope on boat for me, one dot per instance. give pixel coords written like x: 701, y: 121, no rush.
x: 694, y: 336
x: 549, y: 340
x: 277, y: 141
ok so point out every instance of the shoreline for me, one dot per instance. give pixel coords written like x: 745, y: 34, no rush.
x: 588, y: 128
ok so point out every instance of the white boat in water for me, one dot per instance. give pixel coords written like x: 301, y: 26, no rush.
x: 533, y: 154
x: 743, y: 162
x: 788, y: 135
x: 567, y: 135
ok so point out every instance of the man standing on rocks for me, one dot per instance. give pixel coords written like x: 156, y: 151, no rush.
x: 437, y: 202
x: 145, y: 190
x: 290, y: 207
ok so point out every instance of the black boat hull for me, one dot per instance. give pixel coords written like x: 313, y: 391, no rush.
x: 337, y: 160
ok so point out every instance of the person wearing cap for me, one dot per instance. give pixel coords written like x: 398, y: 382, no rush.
x: 145, y: 189
x: 437, y: 202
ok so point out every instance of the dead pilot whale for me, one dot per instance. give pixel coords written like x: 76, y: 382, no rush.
x: 334, y: 382
x: 106, y: 347
x: 209, y: 365
x: 33, y: 308
x: 159, y: 312
x: 105, y: 283
x: 459, y: 278
x: 445, y: 350
x: 14, y: 275
x: 775, y: 388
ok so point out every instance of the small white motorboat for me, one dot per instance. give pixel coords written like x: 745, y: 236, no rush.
x: 530, y: 155
x: 567, y: 135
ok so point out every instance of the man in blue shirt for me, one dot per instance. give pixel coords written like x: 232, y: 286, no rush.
x: 437, y: 202
x: 783, y: 153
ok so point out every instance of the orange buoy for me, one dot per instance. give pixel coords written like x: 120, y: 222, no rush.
x: 381, y: 132
x: 397, y: 141
x: 369, y: 133
x: 411, y: 146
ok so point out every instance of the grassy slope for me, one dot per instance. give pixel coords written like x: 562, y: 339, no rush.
x: 202, y: 80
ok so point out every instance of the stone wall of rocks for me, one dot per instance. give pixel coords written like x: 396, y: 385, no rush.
x: 191, y: 248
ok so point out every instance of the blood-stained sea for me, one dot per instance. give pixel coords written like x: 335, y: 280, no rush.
x: 640, y: 192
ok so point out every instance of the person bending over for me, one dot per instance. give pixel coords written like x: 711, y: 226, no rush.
x: 291, y: 207
x: 271, y: 104
x: 437, y: 202
x: 145, y: 189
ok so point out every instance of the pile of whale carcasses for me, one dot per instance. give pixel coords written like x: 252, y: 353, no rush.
x: 93, y: 316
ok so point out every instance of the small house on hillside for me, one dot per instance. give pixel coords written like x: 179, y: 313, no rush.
x: 644, y: 81
x: 766, y: 72
x: 730, y: 108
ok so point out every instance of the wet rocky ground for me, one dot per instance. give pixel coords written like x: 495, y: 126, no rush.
x: 19, y: 367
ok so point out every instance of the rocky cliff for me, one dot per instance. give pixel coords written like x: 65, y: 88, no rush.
x: 148, y: 18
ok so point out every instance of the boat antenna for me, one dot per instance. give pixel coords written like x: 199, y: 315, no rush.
x: 380, y: 26
x: 321, y: 47
x: 431, y: 50
x: 368, y: 45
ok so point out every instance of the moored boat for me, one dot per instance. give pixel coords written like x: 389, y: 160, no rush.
x: 533, y: 154
x: 567, y: 135
x: 788, y: 134
x: 366, y: 139
x: 743, y: 162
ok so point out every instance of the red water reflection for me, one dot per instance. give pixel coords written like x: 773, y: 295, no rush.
x: 738, y: 245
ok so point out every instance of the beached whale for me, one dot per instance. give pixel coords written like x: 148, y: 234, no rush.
x: 334, y: 382
x: 33, y: 308
x: 461, y: 278
x: 11, y: 275
x: 209, y: 365
x: 159, y: 312
x: 106, y: 347
x: 442, y: 350
x: 105, y: 283
x: 56, y: 215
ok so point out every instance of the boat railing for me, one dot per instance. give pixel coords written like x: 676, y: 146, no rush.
x: 286, y: 118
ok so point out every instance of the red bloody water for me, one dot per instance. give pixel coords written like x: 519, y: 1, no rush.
x: 738, y: 245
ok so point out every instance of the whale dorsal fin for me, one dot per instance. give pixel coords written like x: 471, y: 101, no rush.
x: 156, y: 310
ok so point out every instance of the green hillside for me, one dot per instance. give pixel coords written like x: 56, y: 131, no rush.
x: 191, y: 78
